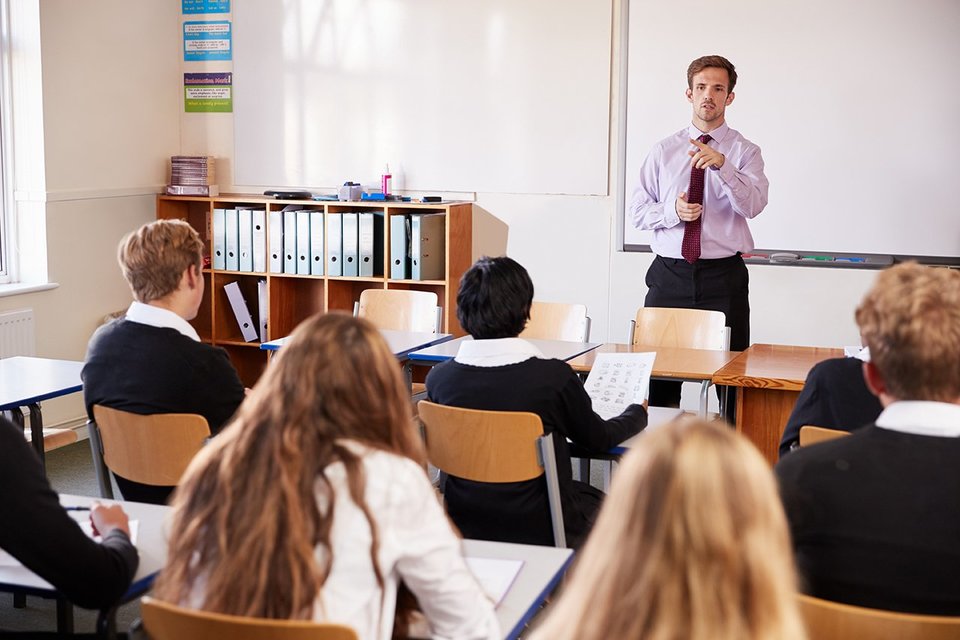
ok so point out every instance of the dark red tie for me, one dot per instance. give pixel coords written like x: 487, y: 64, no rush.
x: 690, y: 249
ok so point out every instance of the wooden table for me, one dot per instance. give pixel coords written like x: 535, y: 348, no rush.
x: 671, y: 363
x: 769, y: 379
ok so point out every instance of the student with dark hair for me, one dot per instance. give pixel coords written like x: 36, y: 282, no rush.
x: 39, y: 533
x: 498, y: 371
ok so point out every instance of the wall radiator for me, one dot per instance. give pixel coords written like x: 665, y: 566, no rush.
x: 17, y: 334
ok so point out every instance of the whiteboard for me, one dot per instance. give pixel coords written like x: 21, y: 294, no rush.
x: 508, y: 96
x: 853, y: 104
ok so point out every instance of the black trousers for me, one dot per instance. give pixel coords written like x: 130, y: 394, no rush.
x: 721, y: 284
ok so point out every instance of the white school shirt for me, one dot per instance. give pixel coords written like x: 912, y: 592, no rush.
x: 159, y: 317
x: 922, y: 418
x: 417, y: 546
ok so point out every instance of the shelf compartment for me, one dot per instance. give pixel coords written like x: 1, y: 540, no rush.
x: 292, y: 300
x: 225, y: 326
x: 248, y: 362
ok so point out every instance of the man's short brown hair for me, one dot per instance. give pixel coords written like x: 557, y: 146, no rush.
x: 910, y: 319
x: 154, y: 257
x: 720, y: 62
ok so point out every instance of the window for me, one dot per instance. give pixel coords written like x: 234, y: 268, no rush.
x: 7, y: 218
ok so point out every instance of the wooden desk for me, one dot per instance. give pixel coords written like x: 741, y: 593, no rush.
x: 671, y: 363
x: 769, y: 379
x: 26, y: 381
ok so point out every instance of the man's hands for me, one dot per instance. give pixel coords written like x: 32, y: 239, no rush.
x: 688, y: 212
x: 703, y: 156
x: 107, y: 517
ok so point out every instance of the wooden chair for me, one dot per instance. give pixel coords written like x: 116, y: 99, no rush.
x: 810, y: 434
x: 164, y: 621
x: 400, y: 310
x: 684, y: 328
x: 834, y: 621
x: 493, y: 446
x: 558, y: 321
x: 153, y: 449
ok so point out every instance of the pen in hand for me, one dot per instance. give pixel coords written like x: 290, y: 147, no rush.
x: 76, y: 508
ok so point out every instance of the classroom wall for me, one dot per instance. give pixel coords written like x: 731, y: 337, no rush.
x: 110, y: 121
x: 113, y: 115
x: 568, y: 243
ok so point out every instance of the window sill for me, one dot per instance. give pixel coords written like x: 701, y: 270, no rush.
x: 19, y: 288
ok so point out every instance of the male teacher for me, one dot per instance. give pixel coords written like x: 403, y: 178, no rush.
x: 696, y: 191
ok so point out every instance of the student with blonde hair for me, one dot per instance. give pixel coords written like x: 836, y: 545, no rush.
x: 874, y: 516
x: 152, y: 360
x: 690, y: 544
x: 314, y: 502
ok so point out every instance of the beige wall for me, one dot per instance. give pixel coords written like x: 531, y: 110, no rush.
x: 110, y: 121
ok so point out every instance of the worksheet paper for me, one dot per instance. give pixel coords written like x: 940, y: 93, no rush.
x: 617, y: 380
x: 494, y: 575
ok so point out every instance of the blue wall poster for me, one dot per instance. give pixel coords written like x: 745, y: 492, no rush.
x: 190, y: 7
x: 207, y: 40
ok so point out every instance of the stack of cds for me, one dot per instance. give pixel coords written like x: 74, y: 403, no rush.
x: 192, y: 176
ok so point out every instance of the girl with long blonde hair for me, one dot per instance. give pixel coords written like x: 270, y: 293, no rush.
x: 314, y: 503
x: 691, y: 544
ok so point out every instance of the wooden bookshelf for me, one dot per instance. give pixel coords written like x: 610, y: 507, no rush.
x: 293, y: 298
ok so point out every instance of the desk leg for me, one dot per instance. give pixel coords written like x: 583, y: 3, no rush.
x: 408, y: 376
x: 107, y: 623
x: 761, y: 416
x: 36, y: 432
x: 64, y: 617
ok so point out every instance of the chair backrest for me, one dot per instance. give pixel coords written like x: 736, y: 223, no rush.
x: 400, y: 310
x: 557, y: 321
x: 685, y: 328
x: 492, y: 446
x: 834, y: 621
x: 164, y: 621
x: 810, y: 434
x: 153, y: 449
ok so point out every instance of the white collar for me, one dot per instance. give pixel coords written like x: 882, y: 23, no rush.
x: 922, y: 418
x: 161, y: 318
x: 496, y: 352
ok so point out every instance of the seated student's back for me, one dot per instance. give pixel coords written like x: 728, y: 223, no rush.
x: 691, y: 543
x: 834, y: 396
x: 497, y: 371
x: 314, y: 502
x: 874, y: 516
x: 36, y: 530
x: 152, y: 360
